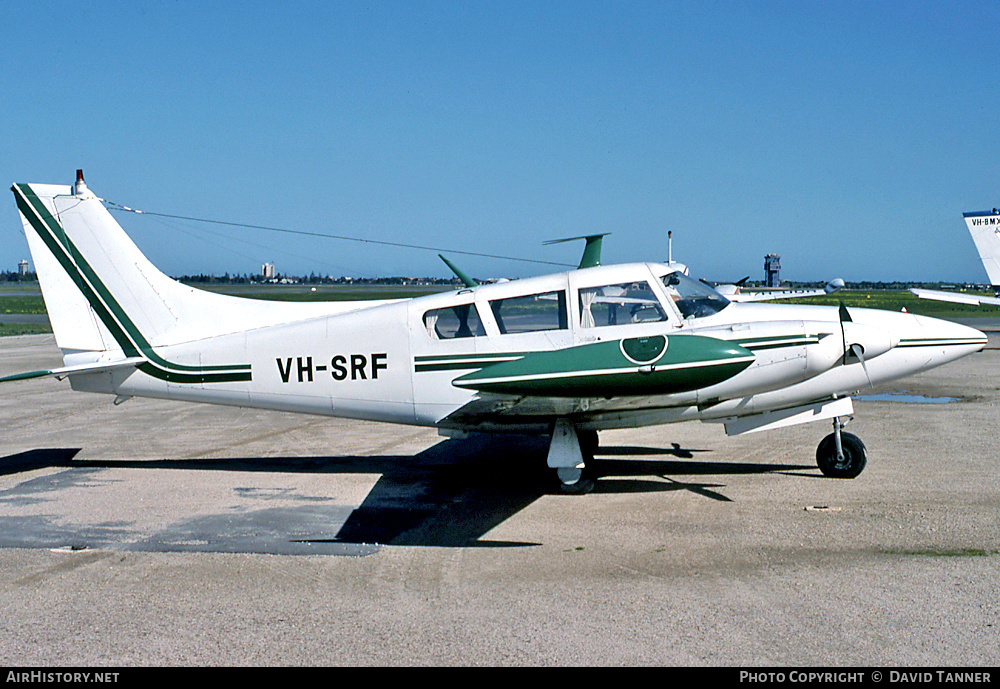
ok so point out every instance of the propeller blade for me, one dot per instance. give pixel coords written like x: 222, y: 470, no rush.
x: 859, y: 352
x: 855, y: 349
x: 845, y: 315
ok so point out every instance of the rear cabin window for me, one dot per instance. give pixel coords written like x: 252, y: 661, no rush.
x: 454, y: 322
x: 622, y: 304
x: 531, y: 313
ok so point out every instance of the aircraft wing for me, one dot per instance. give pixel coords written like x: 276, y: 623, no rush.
x: 956, y: 297
x: 736, y: 293
x: 771, y: 295
x: 96, y: 367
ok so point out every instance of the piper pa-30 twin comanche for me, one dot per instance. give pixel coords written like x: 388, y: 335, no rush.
x: 564, y: 355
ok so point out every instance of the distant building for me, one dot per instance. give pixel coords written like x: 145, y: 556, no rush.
x: 22, y: 268
x: 772, y: 265
x: 267, y: 271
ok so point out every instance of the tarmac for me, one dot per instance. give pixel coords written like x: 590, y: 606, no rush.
x: 155, y: 533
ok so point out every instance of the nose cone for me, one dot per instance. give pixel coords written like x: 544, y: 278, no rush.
x: 917, y: 343
x: 941, y: 341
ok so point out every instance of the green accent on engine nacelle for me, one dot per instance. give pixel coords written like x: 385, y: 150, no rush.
x: 635, y: 366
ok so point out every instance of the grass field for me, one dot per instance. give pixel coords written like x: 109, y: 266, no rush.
x: 897, y: 301
x: 326, y: 292
x: 26, y: 298
x: 12, y: 329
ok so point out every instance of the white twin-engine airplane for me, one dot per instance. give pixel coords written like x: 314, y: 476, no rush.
x: 564, y: 355
x: 735, y: 292
x: 984, y: 226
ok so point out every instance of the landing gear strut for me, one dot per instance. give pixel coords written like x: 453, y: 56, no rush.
x: 840, y: 454
x: 571, y: 456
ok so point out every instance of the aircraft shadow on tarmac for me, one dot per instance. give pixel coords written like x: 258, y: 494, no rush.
x: 451, y: 494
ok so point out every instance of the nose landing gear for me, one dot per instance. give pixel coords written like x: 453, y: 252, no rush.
x: 840, y: 454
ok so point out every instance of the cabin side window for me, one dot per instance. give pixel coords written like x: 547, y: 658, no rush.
x: 621, y: 304
x: 454, y: 322
x: 531, y: 313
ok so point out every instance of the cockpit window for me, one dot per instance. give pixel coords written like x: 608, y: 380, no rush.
x: 692, y: 298
x: 632, y: 302
x: 531, y: 313
x: 454, y: 322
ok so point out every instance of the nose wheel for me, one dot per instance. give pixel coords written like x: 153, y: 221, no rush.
x: 840, y: 454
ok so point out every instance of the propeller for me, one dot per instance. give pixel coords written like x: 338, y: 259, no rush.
x: 856, y: 349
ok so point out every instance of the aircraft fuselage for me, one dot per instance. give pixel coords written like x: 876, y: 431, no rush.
x: 393, y: 362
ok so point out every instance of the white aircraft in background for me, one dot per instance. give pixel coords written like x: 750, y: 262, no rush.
x: 984, y: 226
x: 735, y: 292
x: 563, y: 355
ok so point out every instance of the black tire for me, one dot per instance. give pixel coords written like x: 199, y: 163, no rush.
x: 581, y: 486
x: 855, y: 456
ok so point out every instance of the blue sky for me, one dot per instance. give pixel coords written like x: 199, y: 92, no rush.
x: 848, y: 137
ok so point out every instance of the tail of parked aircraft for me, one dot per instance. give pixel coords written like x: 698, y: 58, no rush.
x: 100, y: 292
x: 984, y: 227
x: 104, y: 296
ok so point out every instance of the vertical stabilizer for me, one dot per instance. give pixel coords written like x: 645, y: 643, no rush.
x: 103, y: 295
x: 74, y: 323
x: 984, y: 227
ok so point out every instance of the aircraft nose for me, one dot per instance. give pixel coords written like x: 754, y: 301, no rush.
x: 942, y: 340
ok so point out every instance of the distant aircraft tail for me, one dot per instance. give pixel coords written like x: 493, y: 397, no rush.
x: 984, y: 227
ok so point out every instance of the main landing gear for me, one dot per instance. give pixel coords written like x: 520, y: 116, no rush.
x: 840, y: 454
x: 571, y: 458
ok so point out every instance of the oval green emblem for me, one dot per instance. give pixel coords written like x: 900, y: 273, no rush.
x: 642, y: 350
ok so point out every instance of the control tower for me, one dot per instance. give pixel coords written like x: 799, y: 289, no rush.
x: 772, y: 264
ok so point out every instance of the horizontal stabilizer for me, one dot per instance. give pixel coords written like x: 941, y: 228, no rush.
x: 591, y: 252
x: 96, y: 367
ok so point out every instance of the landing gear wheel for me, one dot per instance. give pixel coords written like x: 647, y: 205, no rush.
x: 571, y: 481
x: 855, y: 457
x: 571, y: 458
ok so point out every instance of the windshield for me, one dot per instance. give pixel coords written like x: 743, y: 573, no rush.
x: 692, y: 298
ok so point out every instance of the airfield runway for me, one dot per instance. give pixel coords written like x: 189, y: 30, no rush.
x: 157, y: 533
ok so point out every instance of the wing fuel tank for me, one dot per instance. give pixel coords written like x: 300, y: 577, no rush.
x: 634, y: 366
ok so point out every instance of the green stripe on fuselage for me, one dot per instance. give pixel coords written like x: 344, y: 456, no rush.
x: 462, y: 362
x: 780, y: 341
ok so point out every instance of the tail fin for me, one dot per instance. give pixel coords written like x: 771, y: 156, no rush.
x: 70, y: 299
x: 103, y: 295
x: 985, y: 230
